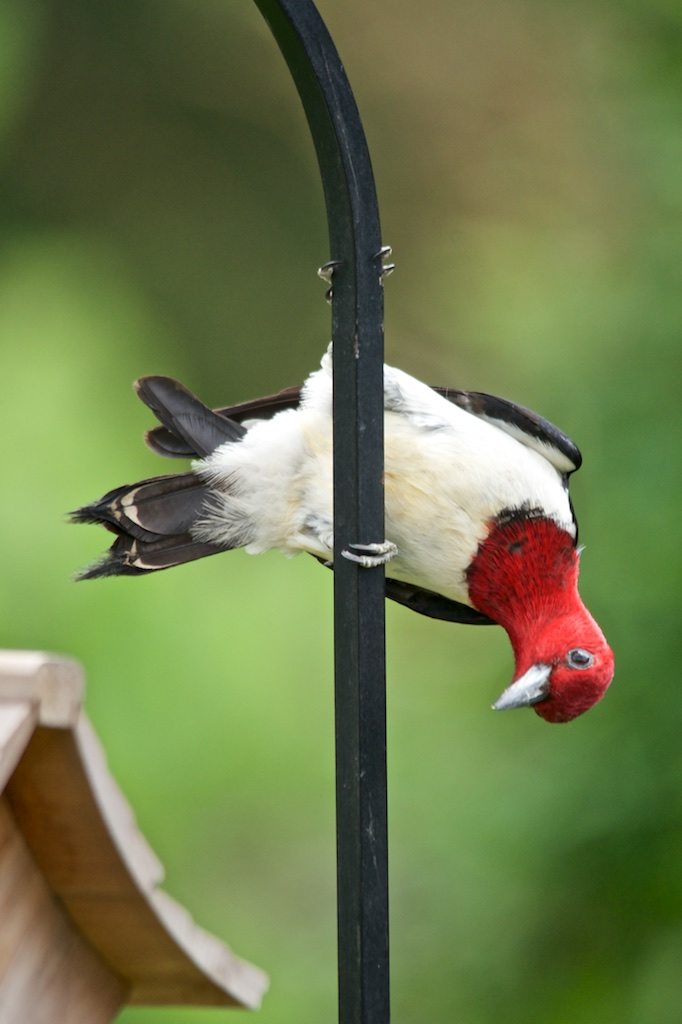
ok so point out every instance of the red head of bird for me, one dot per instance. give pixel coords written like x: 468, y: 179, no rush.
x: 525, y: 576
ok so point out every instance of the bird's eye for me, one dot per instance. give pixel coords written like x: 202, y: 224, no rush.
x: 580, y: 658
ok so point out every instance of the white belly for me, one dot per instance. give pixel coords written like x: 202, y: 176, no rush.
x: 442, y: 488
x: 444, y: 483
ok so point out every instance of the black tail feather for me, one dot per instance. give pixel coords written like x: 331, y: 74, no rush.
x: 200, y: 429
x: 167, y: 443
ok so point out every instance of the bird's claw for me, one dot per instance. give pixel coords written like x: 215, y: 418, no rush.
x: 386, y: 268
x: 369, y: 556
x: 326, y: 272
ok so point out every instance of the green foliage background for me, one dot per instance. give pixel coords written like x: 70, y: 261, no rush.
x: 161, y: 212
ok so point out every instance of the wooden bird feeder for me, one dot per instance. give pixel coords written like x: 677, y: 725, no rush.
x: 84, y: 928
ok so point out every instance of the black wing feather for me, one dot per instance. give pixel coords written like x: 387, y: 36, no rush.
x: 129, y: 556
x: 159, y: 506
x: 152, y: 520
x: 503, y: 413
x: 506, y: 414
x: 427, y: 602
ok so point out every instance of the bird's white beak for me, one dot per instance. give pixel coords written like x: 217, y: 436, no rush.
x: 530, y: 688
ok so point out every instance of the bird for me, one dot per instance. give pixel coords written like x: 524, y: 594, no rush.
x: 480, y: 527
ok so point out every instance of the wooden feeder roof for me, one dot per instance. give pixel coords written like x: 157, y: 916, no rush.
x: 59, y: 802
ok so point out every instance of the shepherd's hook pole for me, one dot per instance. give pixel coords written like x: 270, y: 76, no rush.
x: 355, y: 270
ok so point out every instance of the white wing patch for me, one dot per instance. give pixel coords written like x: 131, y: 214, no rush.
x: 561, y: 462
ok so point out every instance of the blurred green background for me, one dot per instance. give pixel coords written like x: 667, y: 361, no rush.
x: 161, y: 213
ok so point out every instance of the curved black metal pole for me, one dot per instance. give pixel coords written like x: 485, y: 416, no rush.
x: 357, y: 332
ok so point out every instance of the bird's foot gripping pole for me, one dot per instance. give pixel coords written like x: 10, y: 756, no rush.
x: 326, y: 271
x: 386, y: 268
x: 369, y: 556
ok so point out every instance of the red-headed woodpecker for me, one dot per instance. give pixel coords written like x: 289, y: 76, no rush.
x: 479, y: 524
